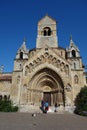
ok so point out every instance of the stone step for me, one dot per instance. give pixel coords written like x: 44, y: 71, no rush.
x: 36, y: 109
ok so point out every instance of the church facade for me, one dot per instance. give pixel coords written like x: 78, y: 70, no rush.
x: 48, y: 72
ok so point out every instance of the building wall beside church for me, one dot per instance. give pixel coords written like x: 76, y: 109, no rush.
x: 5, y: 85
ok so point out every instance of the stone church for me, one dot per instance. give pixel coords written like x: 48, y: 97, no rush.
x: 48, y: 72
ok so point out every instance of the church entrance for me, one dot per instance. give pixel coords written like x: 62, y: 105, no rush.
x: 46, y: 85
x: 53, y: 98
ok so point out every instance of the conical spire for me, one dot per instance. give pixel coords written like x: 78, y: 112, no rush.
x: 22, y: 49
x: 23, y: 46
x: 72, y: 44
x: 71, y: 41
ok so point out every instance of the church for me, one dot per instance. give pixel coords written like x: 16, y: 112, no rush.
x: 48, y: 72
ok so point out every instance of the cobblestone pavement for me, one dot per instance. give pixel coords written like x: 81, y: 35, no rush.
x: 50, y: 121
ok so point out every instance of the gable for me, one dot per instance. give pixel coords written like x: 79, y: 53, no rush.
x: 46, y: 56
x: 46, y: 20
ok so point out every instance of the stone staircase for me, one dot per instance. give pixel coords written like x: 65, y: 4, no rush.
x: 36, y: 109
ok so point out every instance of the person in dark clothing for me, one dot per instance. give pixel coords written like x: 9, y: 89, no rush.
x: 46, y: 106
x: 42, y: 105
x: 55, y: 107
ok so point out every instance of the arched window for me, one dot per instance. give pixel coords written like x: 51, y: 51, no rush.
x: 21, y: 55
x: 74, y: 65
x: 25, y: 88
x: 76, y: 79
x: 0, y: 97
x: 47, y: 31
x: 5, y: 97
x: 73, y: 53
x: 20, y: 66
x: 44, y: 32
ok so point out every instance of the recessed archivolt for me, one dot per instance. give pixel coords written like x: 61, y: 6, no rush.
x: 46, y: 78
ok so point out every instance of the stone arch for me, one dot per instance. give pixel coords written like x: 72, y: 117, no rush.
x: 5, y: 97
x: 47, y: 31
x: 73, y: 53
x: 74, y: 65
x: 21, y: 55
x: 45, y: 82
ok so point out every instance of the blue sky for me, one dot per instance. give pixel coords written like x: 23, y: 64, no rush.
x: 19, y: 18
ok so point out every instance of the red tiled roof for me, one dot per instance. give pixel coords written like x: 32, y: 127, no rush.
x: 5, y: 78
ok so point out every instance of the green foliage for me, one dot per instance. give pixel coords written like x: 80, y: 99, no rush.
x: 81, y: 102
x: 7, y: 106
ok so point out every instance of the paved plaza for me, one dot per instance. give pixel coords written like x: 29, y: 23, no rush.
x: 51, y: 121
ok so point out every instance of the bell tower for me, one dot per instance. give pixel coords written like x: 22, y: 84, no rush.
x: 47, y: 33
x: 73, y: 54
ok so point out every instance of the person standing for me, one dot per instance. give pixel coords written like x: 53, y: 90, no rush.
x: 42, y: 105
x: 55, y: 107
x: 46, y: 106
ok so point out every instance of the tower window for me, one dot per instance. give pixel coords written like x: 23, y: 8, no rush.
x: 21, y: 55
x: 73, y: 53
x: 47, y: 31
x: 74, y: 65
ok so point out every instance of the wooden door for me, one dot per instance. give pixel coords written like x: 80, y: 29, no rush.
x: 47, y: 97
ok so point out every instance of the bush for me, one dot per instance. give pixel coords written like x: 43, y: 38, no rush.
x: 81, y: 102
x: 7, y: 106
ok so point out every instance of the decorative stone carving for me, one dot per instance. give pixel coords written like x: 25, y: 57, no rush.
x: 32, y: 53
x: 46, y: 55
x: 62, y: 66
x: 50, y: 59
x: 68, y: 88
x: 34, y: 63
x: 76, y: 79
x: 58, y: 63
x: 42, y: 58
x: 25, y: 88
x: 38, y: 61
x: 54, y: 59
x: 30, y: 67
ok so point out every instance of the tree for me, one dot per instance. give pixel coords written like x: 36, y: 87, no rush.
x: 81, y: 102
x: 7, y: 106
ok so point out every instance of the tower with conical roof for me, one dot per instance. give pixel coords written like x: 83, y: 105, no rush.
x: 21, y: 56
x: 73, y: 55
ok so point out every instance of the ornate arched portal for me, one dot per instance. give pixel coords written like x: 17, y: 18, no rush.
x: 46, y: 84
